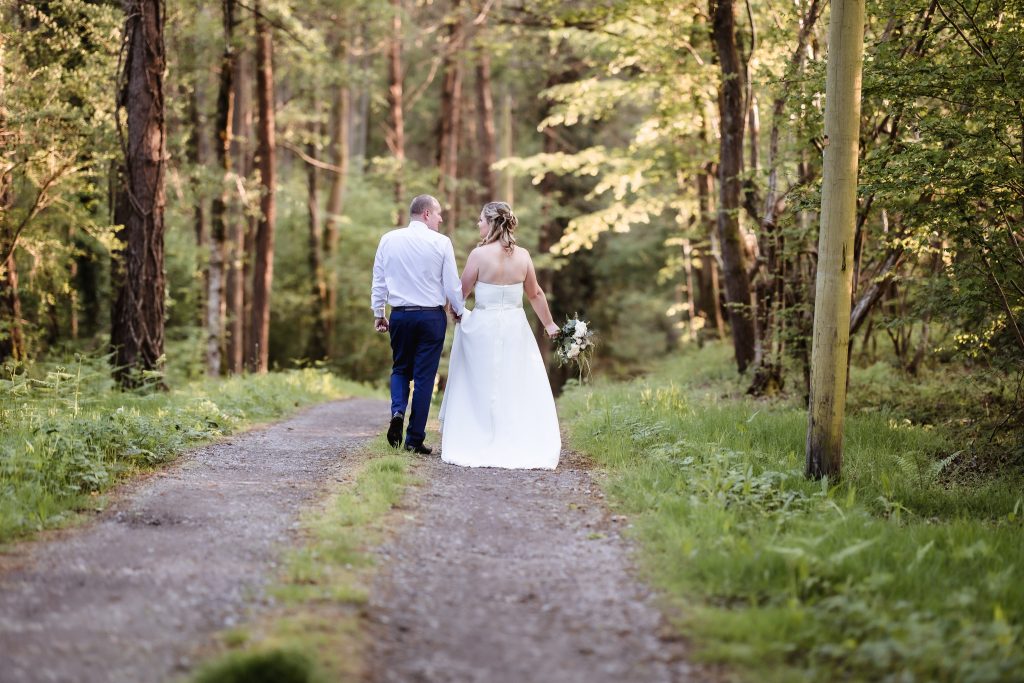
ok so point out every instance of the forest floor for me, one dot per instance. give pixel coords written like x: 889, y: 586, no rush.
x: 487, y: 575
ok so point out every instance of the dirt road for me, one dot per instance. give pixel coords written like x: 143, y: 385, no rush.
x: 177, y: 557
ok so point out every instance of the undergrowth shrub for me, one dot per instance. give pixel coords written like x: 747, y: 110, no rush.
x: 894, y: 573
x: 67, y: 433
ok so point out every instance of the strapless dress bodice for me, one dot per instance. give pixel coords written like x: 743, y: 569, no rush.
x: 498, y: 297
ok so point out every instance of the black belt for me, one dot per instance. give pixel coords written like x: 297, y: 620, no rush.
x: 417, y: 308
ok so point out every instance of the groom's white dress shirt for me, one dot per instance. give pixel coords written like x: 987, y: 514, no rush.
x: 415, y: 266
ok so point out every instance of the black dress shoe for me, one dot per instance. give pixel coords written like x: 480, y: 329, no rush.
x: 395, y: 430
x: 421, y: 449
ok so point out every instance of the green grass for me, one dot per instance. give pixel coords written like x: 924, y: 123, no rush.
x: 268, y: 666
x: 891, y: 574
x: 317, y: 628
x: 67, y: 433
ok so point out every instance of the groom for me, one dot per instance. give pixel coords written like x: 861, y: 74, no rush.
x: 415, y: 272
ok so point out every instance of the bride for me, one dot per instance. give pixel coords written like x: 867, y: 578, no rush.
x: 498, y: 410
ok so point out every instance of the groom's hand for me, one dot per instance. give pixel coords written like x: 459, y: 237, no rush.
x: 380, y: 324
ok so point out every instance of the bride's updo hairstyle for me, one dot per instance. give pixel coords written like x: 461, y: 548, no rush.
x: 502, y: 223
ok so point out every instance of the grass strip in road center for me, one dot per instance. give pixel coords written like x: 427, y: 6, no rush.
x: 315, y: 632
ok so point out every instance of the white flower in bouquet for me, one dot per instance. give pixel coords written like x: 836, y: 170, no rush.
x: 575, y: 345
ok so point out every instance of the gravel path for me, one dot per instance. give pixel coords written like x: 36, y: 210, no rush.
x: 176, y: 559
x: 514, y: 577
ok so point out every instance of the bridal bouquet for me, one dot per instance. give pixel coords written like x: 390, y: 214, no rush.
x: 575, y: 345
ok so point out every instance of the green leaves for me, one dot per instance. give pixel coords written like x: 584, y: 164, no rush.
x: 892, y: 574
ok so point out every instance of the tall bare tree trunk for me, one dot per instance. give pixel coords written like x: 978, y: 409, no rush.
x: 359, y: 118
x: 138, y: 326
x: 218, y: 209
x: 73, y: 298
x: 835, y: 242
x: 507, y: 178
x: 710, y: 291
x: 691, y: 308
x: 197, y: 155
x: 341, y: 119
x: 485, y: 124
x: 396, y: 130
x: 450, y: 120
x: 754, y: 134
x: 317, y: 347
x: 12, y: 337
x: 239, y: 226
x: 263, y: 261
x: 730, y: 166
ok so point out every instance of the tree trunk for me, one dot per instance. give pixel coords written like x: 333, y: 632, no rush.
x: 317, y: 347
x: 730, y: 166
x: 754, y: 134
x: 73, y: 303
x: 263, y: 262
x: 341, y: 118
x: 485, y: 125
x: 450, y: 120
x: 396, y: 131
x: 239, y: 239
x: 710, y: 293
x: 359, y: 124
x: 12, y: 339
x: 198, y: 152
x: 197, y: 155
x: 138, y: 326
x: 507, y: 178
x: 835, y: 242
x: 218, y: 209
x: 691, y: 327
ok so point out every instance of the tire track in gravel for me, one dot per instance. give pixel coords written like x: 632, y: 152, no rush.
x: 176, y: 558
x: 514, y: 577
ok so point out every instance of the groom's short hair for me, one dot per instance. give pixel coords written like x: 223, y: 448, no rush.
x: 422, y: 203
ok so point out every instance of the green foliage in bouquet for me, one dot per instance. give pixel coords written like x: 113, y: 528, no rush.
x: 575, y: 344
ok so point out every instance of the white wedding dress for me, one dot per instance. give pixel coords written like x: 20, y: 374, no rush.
x: 498, y: 410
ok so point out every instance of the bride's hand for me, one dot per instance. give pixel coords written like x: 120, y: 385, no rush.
x: 552, y: 330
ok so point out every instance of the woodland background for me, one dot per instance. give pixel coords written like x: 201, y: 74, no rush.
x: 191, y: 194
x: 664, y: 159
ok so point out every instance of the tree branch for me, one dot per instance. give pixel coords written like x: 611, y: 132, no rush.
x: 297, y: 151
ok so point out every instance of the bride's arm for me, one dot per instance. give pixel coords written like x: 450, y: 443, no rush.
x: 536, y: 297
x: 470, y: 274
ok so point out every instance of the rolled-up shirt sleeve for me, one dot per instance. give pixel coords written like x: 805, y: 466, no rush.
x: 379, y: 288
x: 450, y: 280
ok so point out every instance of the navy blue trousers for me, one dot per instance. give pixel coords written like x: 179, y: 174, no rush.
x: 417, y: 339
